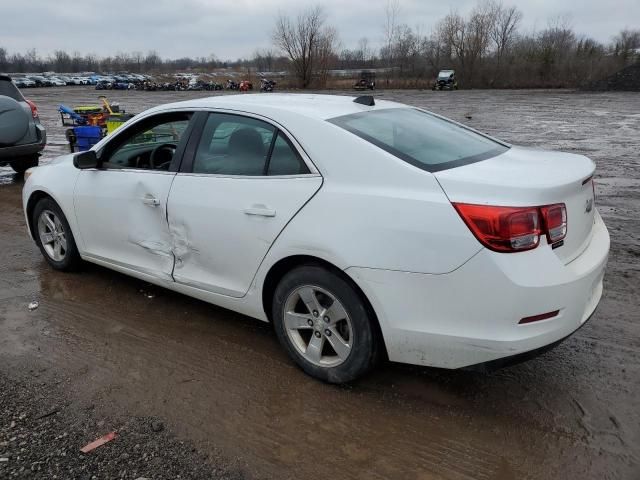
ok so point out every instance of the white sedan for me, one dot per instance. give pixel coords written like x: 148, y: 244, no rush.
x: 359, y: 228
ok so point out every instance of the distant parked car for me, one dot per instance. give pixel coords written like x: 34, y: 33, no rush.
x: 23, y: 82
x: 446, y: 80
x: 393, y: 230
x: 41, y: 81
x: 121, y: 85
x: 22, y: 137
x: 57, y: 82
x: 104, y: 85
x: 66, y: 80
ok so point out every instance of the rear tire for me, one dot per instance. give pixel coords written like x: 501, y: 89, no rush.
x: 20, y: 165
x: 53, y: 236
x: 324, y: 325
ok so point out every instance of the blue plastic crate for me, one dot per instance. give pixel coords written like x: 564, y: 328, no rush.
x: 86, y: 137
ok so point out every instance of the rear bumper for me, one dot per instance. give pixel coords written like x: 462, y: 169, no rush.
x: 7, y: 154
x: 492, y: 365
x: 470, y: 316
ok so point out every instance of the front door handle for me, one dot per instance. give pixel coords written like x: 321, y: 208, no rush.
x: 150, y: 200
x: 260, y: 210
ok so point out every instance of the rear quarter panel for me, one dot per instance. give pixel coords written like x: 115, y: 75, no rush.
x: 373, y: 210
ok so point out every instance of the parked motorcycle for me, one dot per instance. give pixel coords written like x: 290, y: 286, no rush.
x: 246, y: 85
x: 267, y: 85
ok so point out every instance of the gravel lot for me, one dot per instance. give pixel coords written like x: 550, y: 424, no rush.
x: 108, y: 352
x: 41, y: 431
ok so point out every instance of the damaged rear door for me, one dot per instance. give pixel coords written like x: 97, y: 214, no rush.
x: 121, y: 207
x: 240, y: 184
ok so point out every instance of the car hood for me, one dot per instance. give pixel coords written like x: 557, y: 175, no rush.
x: 68, y: 158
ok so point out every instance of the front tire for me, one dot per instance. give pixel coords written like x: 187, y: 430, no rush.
x: 20, y: 165
x: 53, y: 236
x: 324, y: 325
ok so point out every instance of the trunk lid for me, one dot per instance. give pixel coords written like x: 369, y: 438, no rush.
x: 527, y: 177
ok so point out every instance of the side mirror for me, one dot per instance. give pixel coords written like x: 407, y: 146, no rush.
x: 87, y: 159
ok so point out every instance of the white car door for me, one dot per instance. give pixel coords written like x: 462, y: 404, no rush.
x: 121, y: 206
x: 242, y: 184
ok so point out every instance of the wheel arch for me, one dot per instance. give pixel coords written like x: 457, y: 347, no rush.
x: 279, y: 269
x: 34, y: 198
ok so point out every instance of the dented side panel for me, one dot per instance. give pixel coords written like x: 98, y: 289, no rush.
x: 123, y: 219
x: 222, y: 227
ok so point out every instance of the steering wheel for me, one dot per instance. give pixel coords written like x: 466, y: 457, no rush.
x: 161, y: 156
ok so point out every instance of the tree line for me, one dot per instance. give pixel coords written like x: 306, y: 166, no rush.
x: 487, y: 48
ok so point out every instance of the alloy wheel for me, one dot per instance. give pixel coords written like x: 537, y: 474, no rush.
x: 318, y: 326
x: 52, y: 235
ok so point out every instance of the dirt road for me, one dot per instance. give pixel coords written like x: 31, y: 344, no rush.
x: 220, y: 380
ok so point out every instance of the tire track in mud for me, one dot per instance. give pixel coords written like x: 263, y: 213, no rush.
x: 88, y: 332
x: 76, y: 323
x: 89, y: 335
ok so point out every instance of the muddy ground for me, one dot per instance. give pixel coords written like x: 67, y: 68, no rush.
x: 219, y: 382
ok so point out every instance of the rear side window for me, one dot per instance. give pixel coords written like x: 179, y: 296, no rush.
x: 8, y: 89
x: 419, y: 138
x: 244, y: 146
x: 285, y: 160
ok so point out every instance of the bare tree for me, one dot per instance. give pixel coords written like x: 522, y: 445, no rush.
x: 392, y: 12
x: 264, y: 59
x: 556, y: 44
x: 453, y: 32
x: 504, y: 31
x: 152, y: 61
x: 307, y: 42
x: 435, y: 50
x: 627, y: 43
x: 364, y: 51
x: 138, y: 59
x: 479, y: 27
x: 406, y: 49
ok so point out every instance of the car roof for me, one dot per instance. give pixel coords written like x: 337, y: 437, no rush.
x: 309, y: 105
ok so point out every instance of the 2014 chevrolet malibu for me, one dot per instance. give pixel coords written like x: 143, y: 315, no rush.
x: 358, y: 228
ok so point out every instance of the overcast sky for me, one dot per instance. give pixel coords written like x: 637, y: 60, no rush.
x: 235, y: 28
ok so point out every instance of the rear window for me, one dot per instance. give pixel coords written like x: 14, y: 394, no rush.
x: 8, y: 89
x: 419, y: 138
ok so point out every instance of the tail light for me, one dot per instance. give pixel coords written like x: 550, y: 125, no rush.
x: 34, y: 109
x: 555, y: 221
x: 514, y: 229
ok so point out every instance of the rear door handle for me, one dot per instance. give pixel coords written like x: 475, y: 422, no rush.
x: 260, y: 210
x: 150, y: 200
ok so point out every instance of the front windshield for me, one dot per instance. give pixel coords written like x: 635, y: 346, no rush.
x: 445, y: 74
x: 420, y: 138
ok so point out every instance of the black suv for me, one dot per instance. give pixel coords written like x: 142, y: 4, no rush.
x: 22, y: 137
